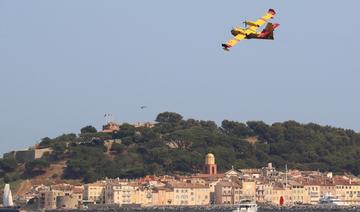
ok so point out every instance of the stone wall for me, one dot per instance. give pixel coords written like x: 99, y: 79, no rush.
x: 27, y: 155
x: 67, y: 202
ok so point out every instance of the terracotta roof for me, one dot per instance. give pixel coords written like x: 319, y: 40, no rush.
x: 187, y: 185
x: 208, y: 176
x: 229, y: 183
x: 97, y: 183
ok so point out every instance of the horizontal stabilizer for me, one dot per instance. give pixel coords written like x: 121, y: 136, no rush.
x: 268, y: 32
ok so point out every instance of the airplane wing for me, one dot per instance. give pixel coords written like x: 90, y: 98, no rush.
x: 233, y: 41
x: 261, y: 21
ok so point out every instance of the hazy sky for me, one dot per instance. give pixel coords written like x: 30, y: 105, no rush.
x: 64, y: 64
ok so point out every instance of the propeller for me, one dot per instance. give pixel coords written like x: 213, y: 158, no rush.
x: 245, y: 23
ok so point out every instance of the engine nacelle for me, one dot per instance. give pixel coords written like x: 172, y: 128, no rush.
x: 237, y: 31
x: 250, y: 23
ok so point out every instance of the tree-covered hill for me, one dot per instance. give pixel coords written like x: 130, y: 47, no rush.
x: 175, y: 145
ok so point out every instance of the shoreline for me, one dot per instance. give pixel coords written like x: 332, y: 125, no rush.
x: 213, y: 208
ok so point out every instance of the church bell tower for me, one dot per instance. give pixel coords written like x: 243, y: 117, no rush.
x: 210, y: 167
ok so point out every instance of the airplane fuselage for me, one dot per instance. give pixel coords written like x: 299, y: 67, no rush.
x: 248, y: 33
x: 251, y: 34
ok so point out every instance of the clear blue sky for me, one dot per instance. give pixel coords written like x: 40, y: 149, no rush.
x: 64, y: 64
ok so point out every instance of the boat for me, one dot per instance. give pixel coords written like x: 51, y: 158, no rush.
x: 246, y: 206
x: 7, y: 197
x: 8, y: 203
x: 329, y: 199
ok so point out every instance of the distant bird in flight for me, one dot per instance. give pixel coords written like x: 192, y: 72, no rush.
x: 143, y: 107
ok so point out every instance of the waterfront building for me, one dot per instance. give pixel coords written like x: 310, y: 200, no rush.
x: 347, y: 191
x: 143, y: 195
x: 276, y: 193
x: 297, y: 193
x: 119, y: 192
x: 163, y: 196
x: 313, y: 190
x: 327, y: 188
x: 189, y: 194
x: 263, y: 189
x: 94, y: 193
x: 248, y: 189
x: 228, y: 192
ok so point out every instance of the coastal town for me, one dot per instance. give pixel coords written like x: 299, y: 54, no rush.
x: 265, y: 185
x: 160, y: 106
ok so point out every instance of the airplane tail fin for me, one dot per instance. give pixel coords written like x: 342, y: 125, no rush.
x: 268, y: 32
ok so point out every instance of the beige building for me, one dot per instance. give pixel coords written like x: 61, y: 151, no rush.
x: 190, y: 194
x: 318, y: 189
x: 297, y: 194
x: 163, y: 196
x: 144, y: 125
x: 248, y: 189
x: 94, y: 193
x: 293, y: 193
x: 227, y: 192
x: 263, y: 191
x: 327, y: 189
x: 277, y: 192
x: 110, y: 127
x: 348, y: 192
x: 143, y: 196
x: 121, y: 193
x: 313, y: 190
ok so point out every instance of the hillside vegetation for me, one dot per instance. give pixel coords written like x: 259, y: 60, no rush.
x: 176, y: 145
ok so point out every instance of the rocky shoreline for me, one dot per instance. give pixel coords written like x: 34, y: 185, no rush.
x: 213, y: 208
